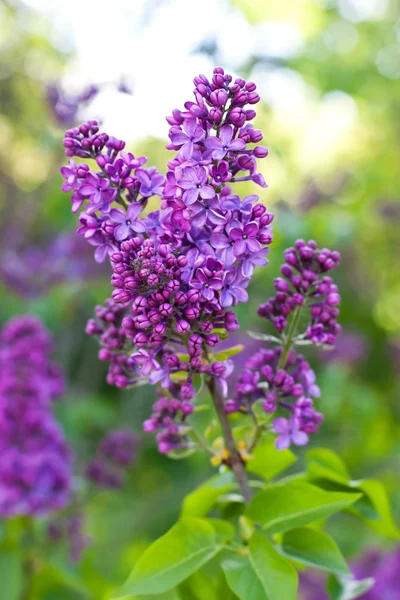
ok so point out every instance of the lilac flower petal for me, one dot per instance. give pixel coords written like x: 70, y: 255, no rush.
x: 282, y: 442
x: 299, y: 438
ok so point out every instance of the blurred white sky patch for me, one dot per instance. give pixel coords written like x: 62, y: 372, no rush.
x: 329, y: 130
x: 363, y: 10
x: 154, y: 45
x: 282, y: 88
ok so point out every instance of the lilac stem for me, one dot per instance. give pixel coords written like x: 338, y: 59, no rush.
x: 235, y: 460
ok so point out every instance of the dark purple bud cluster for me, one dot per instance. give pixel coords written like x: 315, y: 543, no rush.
x: 123, y: 345
x: 35, y: 461
x: 115, y: 455
x: 169, y: 422
x: 306, y: 287
x: 277, y: 387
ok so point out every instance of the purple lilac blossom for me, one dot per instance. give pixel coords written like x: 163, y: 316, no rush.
x: 350, y: 349
x: 285, y: 389
x: 115, y: 454
x: 168, y: 296
x: 65, y: 107
x: 35, y: 463
x: 32, y: 270
x: 305, y: 283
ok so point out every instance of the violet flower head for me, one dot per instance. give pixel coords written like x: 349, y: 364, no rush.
x: 176, y: 274
x: 35, y: 463
x: 279, y: 389
x: 305, y: 284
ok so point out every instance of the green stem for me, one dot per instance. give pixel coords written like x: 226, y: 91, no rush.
x: 235, y: 460
x: 28, y: 574
x: 28, y: 565
x: 258, y: 431
x: 199, y: 440
x: 289, y: 338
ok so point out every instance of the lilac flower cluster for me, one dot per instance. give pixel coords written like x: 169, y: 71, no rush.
x: 35, y: 461
x: 280, y: 378
x: 176, y: 271
x: 65, y: 107
x: 32, y: 270
x: 115, y: 454
x: 265, y: 380
x: 168, y: 419
x: 304, y: 284
x: 120, y: 179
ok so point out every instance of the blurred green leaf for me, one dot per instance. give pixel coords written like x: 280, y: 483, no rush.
x: 376, y: 495
x: 263, y: 574
x: 228, y: 352
x: 324, y: 462
x: 11, y: 575
x: 287, y: 506
x: 347, y: 588
x: 267, y: 461
x: 172, y: 558
x: 315, y: 549
x: 202, y: 500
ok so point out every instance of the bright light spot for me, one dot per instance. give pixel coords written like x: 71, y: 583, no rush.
x: 341, y: 37
x: 388, y: 62
x: 281, y: 88
x: 328, y: 132
x: 363, y: 10
x: 276, y: 39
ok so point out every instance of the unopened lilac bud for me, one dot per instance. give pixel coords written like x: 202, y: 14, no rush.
x: 187, y: 391
x: 230, y: 406
x: 216, y: 115
x: 250, y: 115
x: 253, y: 98
x: 219, y: 97
x: 212, y: 340
x: 260, y: 151
x: 182, y: 326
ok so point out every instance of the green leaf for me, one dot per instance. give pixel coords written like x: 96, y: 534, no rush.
x: 224, y: 530
x: 373, y: 507
x: 178, y: 375
x: 172, y: 558
x: 169, y: 595
x: 263, y: 574
x: 314, y: 548
x: 264, y: 337
x: 325, y: 463
x: 347, y: 588
x: 202, y: 500
x: 11, y: 575
x: 376, y: 495
x: 181, y: 454
x: 220, y: 332
x: 201, y: 586
x: 267, y: 461
x: 228, y: 352
x: 291, y: 505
